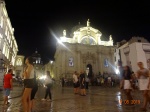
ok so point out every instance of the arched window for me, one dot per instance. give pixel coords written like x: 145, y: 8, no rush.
x: 88, y: 40
x: 19, y: 62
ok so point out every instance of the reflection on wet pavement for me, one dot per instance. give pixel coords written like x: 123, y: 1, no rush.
x: 98, y: 99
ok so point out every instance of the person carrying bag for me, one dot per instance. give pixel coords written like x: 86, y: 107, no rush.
x: 48, y: 84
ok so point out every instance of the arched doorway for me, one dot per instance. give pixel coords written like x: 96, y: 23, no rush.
x: 89, y: 66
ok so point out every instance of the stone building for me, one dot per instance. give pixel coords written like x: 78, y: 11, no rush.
x: 19, y: 65
x: 84, y: 50
x: 8, y: 44
x: 38, y: 64
x: 132, y: 51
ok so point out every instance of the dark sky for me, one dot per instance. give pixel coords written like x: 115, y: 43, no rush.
x: 33, y: 20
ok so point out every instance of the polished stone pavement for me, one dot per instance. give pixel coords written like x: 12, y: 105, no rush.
x: 98, y: 99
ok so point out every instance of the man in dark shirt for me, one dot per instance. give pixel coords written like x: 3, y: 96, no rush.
x: 82, y: 84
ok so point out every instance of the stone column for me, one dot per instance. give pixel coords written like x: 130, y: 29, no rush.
x: 62, y: 67
x: 101, y: 62
x: 78, y: 61
x: 98, y: 61
x: 66, y: 61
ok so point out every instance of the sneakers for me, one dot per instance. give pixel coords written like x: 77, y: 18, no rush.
x: 49, y: 100
x: 46, y: 99
x: 43, y: 99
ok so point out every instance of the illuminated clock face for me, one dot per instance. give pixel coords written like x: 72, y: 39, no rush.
x: 88, y: 40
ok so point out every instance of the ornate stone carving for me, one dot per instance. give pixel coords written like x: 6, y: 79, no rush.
x: 88, y: 56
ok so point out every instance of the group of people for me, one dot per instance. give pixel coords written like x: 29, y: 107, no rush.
x: 143, y: 77
x: 30, y: 85
x: 79, y: 83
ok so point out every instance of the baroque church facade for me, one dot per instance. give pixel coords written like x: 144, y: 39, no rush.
x: 84, y: 51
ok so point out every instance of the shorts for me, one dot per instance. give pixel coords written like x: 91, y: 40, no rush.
x: 7, y: 91
x: 76, y: 85
x: 33, y: 92
x: 28, y: 83
x: 82, y: 86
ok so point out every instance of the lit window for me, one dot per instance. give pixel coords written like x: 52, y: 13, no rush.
x: 4, y: 48
x: 70, y: 61
x: 19, y: 62
x: 1, y: 22
x: 106, y: 62
x: 7, y: 53
x: 6, y: 31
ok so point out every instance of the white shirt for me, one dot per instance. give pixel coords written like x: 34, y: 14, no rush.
x: 48, y: 80
x: 31, y: 74
x: 75, y: 78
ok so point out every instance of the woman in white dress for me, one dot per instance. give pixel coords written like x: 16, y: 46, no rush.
x: 127, y: 80
x: 143, y: 79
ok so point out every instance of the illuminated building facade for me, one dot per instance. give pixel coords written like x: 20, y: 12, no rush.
x: 8, y: 44
x: 38, y: 64
x: 132, y: 51
x: 19, y: 65
x: 83, y: 50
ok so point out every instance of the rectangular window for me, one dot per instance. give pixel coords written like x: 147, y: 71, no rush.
x: 71, y: 62
x: 6, y: 31
x: 1, y: 22
x: 106, y: 62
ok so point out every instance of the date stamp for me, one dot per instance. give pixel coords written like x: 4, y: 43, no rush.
x: 127, y: 102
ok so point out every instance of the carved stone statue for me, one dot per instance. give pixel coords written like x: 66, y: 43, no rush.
x: 110, y: 38
x: 64, y: 33
x: 88, y: 22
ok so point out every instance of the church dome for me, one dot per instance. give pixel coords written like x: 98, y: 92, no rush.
x: 75, y: 28
x: 36, y: 54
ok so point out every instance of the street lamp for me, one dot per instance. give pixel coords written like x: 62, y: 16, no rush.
x: 51, y: 62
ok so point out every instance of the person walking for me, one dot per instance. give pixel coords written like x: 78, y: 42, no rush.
x: 143, y: 79
x: 82, y: 84
x: 33, y: 92
x: 28, y: 76
x: 8, y: 85
x: 127, y: 84
x: 48, y: 83
x: 62, y: 81
x: 87, y: 82
x: 75, y: 82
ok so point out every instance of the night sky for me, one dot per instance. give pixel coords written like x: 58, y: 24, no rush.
x: 34, y: 21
